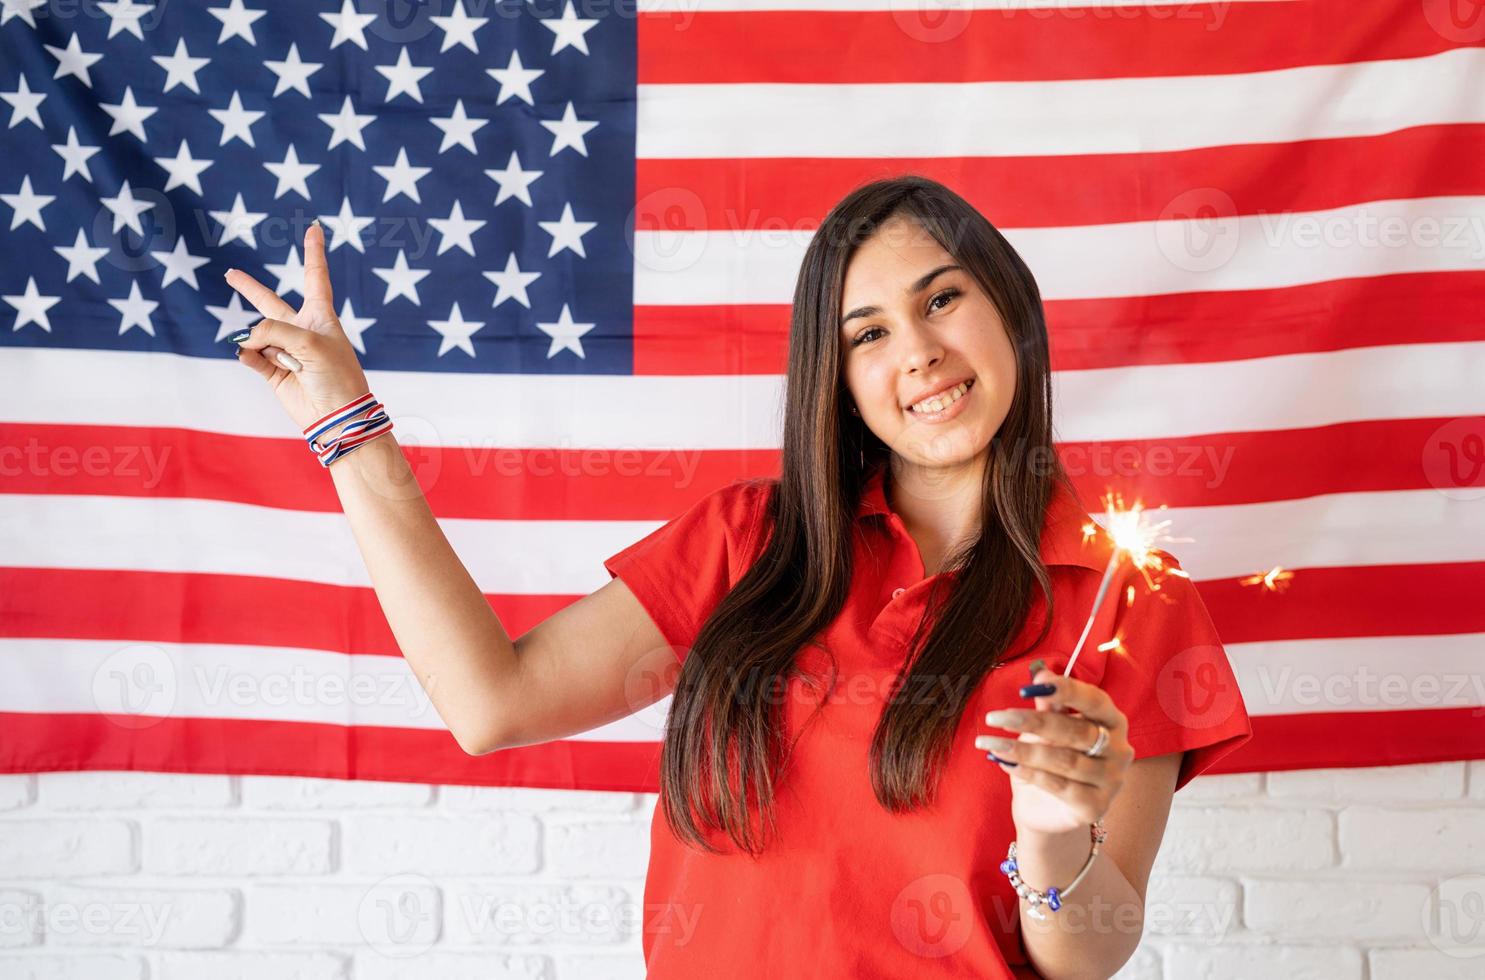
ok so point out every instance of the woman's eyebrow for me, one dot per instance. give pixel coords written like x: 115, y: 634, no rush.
x: 917, y: 287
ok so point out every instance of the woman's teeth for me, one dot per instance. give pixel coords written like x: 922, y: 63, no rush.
x: 940, y: 402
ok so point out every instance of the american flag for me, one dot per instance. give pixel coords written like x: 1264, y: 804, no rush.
x: 564, y: 243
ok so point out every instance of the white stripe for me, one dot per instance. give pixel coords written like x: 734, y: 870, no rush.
x: 565, y: 557
x: 479, y: 416
x: 138, y: 682
x: 1372, y: 673
x: 141, y: 681
x: 1133, y: 258
x: 1264, y: 394
x: 1061, y: 117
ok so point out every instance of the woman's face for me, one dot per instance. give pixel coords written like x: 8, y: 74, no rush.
x: 917, y: 334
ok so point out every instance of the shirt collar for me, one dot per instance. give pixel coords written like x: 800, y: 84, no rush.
x: 1062, y: 542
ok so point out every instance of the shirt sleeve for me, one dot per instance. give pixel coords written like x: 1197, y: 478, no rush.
x: 681, y: 570
x: 1172, y: 679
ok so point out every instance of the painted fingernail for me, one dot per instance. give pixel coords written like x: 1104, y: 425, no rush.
x: 288, y: 361
x: 1035, y: 666
x: 1008, y: 765
x: 1038, y: 690
x: 240, y: 336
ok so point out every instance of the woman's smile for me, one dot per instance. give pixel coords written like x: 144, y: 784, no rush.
x: 946, y: 413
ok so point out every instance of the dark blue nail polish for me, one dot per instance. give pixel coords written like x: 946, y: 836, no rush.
x: 1038, y: 690
x: 240, y: 336
x: 992, y: 755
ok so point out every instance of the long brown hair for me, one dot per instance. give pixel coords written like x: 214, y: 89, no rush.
x: 722, y: 708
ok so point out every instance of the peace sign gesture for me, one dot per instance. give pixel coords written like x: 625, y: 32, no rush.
x: 328, y: 374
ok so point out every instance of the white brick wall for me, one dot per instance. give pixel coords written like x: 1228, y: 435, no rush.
x: 1370, y: 873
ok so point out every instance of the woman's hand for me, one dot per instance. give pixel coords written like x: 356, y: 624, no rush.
x: 329, y: 374
x: 1055, y: 788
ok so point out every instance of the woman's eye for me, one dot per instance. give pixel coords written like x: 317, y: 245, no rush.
x: 947, y: 294
x: 863, y: 335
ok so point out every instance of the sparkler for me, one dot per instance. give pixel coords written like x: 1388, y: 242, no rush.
x: 1136, y: 538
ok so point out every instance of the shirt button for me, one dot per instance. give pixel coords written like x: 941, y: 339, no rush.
x: 897, y: 592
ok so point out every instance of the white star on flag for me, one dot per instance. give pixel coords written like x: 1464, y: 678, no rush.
x: 346, y: 125
x: 128, y: 115
x: 289, y: 272
x: 293, y: 73
x: 456, y: 230
x: 349, y: 26
x: 75, y: 156
x: 237, y: 122
x: 459, y: 27
x: 124, y: 15
x: 74, y: 61
x: 569, y: 30
x: 346, y: 228
x: 31, y: 307
x: 291, y: 174
x: 179, y: 264
x: 135, y: 310
x: 184, y: 169
x: 513, y: 181
x: 565, y: 334
x: 82, y: 258
x: 354, y: 326
x: 403, y: 78
x: 24, y: 104
x: 567, y: 232
x: 515, y: 79
x: 126, y: 210
x: 456, y: 332
x: 27, y: 205
x: 511, y: 282
x: 401, y: 280
x: 237, y: 21
x: 181, y: 68
x: 568, y: 131
x: 458, y: 129
x: 402, y: 178
x: 238, y: 223
x: 233, y: 317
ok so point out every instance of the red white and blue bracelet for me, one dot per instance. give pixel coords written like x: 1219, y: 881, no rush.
x: 1052, y: 898
x: 363, y: 419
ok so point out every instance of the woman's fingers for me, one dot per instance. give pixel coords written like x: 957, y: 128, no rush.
x: 257, y: 362
x: 274, y: 337
x: 263, y: 299
x: 316, y: 269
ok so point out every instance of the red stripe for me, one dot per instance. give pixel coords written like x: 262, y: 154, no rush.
x: 169, y: 607
x: 52, y: 742
x: 65, y: 742
x: 1061, y: 191
x: 933, y: 45
x: 1358, y: 739
x: 1239, y: 467
x: 1180, y: 471
x: 1180, y: 328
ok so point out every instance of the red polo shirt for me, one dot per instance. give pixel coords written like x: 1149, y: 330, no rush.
x: 845, y: 889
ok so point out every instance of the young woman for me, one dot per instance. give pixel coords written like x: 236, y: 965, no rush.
x: 841, y: 636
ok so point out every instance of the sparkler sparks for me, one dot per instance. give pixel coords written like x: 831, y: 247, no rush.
x: 1136, y: 538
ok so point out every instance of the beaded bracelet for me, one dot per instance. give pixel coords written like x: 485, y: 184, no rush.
x: 1053, y: 896
x: 363, y: 419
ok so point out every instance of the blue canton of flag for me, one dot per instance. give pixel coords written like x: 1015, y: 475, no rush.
x: 472, y: 163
